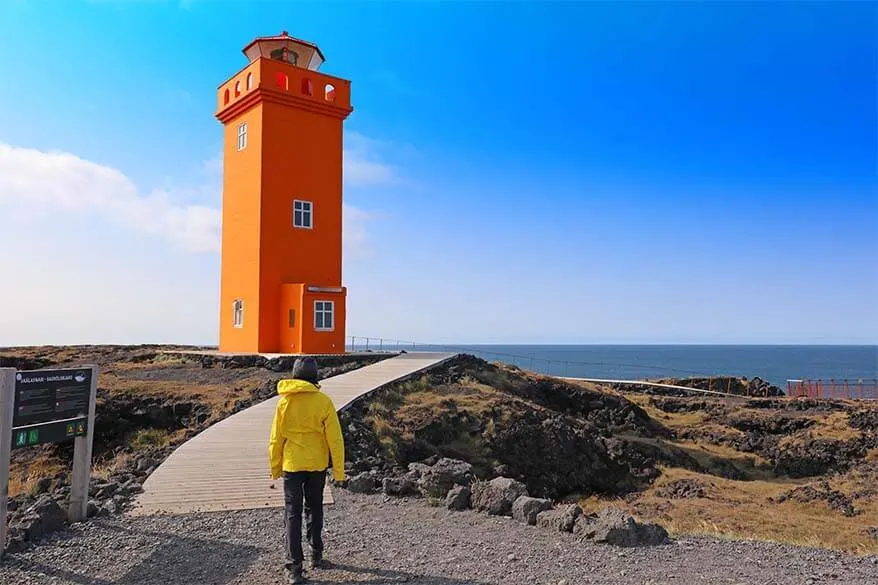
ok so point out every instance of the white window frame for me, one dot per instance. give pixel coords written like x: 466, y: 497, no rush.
x: 306, y: 209
x: 324, y: 308
x: 238, y: 313
x: 242, y: 136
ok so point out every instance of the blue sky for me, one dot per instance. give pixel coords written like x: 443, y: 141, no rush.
x: 515, y: 172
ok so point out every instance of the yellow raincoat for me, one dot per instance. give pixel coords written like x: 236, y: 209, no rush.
x: 305, y: 431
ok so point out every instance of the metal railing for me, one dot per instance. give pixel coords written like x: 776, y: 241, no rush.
x: 862, y: 389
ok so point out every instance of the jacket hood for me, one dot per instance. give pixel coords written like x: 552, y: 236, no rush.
x: 285, y: 387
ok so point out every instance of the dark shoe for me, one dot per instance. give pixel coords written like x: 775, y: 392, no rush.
x: 318, y: 562
x: 296, y: 576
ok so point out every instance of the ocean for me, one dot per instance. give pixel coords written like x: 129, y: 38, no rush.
x: 773, y: 363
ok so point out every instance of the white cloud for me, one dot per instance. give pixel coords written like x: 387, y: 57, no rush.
x: 362, y: 162
x: 54, y: 182
x: 49, y: 183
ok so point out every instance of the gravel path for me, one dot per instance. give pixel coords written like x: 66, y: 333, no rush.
x: 371, y: 541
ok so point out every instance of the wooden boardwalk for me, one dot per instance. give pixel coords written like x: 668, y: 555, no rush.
x: 225, y: 467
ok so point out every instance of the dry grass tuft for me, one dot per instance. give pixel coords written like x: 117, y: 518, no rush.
x: 746, y: 510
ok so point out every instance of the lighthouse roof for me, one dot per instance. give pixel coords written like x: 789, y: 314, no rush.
x: 284, y: 47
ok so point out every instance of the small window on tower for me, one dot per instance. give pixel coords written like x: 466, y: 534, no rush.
x: 249, y: 81
x: 237, y: 88
x: 292, y: 318
x: 238, y: 313
x: 307, y: 87
x: 242, y: 136
x: 324, y: 315
x: 302, y: 214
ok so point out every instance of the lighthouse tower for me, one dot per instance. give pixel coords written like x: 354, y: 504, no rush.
x: 280, y: 283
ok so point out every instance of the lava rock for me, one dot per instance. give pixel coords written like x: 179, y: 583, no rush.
x: 458, y: 498
x: 497, y: 496
x: 44, y: 485
x: 820, y: 492
x: 105, y: 490
x: 682, y: 489
x: 436, y: 481
x: 400, y: 486
x: 525, y: 509
x: 418, y: 469
x: 613, y: 526
x: 43, y: 517
x: 560, y: 519
x: 362, y: 483
x: 145, y: 463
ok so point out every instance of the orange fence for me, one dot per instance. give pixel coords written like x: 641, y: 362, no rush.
x: 852, y: 389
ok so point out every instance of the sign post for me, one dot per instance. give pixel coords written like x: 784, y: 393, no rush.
x: 48, y: 406
x: 7, y: 396
x: 82, y: 447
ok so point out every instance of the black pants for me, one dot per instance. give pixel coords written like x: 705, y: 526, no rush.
x: 307, y: 486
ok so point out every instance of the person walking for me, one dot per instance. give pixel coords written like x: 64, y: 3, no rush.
x: 305, y: 434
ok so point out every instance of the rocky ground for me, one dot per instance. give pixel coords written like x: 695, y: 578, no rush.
x: 374, y: 540
x: 150, y: 400
x: 793, y: 470
x: 442, y: 461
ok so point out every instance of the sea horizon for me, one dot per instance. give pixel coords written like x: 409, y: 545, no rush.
x: 774, y: 363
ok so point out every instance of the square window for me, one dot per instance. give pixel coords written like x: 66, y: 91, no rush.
x: 324, y: 315
x: 303, y: 214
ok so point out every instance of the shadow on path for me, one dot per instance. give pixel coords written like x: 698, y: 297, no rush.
x: 177, y: 559
x: 380, y: 577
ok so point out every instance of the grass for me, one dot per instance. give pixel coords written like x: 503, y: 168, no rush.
x: 833, y: 426
x: 23, y: 478
x: 744, y: 510
x: 146, y: 439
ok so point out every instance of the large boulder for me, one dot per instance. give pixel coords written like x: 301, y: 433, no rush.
x: 407, y: 485
x: 436, y: 481
x: 560, y: 519
x: 458, y: 498
x: 525, y: 509
x: 497, y: 496
x: 43, y: 517
x: 363, y: 483
x: 560, y: 455
x: 613, y: 526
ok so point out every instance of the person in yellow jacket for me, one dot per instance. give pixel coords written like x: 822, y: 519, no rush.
x: 305, y: 433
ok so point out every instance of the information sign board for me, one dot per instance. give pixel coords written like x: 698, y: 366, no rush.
x: 48, y: 406
x: 43, y: 396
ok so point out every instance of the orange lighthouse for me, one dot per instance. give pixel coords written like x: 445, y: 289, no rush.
x: 280, y: 280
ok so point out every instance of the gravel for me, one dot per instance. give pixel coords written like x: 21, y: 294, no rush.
x: 372, y: 539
